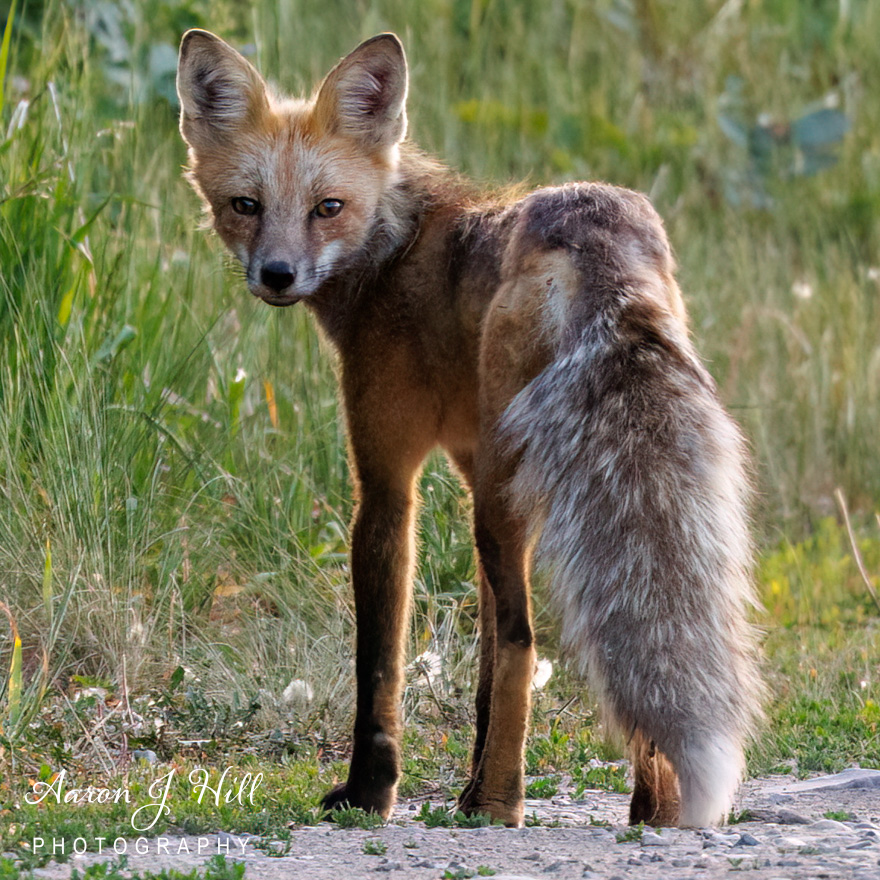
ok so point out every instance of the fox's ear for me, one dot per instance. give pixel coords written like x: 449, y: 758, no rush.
x: 219, y: 89
x: 364, y: 96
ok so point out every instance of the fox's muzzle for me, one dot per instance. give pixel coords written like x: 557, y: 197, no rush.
x: 277, y: 275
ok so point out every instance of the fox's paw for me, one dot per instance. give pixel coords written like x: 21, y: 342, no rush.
x: 345, y: 796
x: 473, y: 801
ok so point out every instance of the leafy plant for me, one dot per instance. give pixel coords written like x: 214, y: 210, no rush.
x: 633, y: 833
x: 545, y: 787
x: 355, y: 817
x: 375, y: 847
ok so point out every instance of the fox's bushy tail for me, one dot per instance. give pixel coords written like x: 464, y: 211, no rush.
x: 633, y: 476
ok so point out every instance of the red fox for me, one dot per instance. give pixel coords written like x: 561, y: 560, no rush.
x: 541, y: 341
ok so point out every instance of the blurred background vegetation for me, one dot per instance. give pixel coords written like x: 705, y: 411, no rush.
x: 174, y: 497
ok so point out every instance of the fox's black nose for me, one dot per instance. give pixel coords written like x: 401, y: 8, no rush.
x: 278, y: 275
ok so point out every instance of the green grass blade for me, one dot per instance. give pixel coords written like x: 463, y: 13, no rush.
x: 47, y: 585
x: 4, y: 51
x: 13, y: 691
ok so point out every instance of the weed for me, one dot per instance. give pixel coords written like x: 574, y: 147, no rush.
x: 606, y: 777
x: 477, y: 820
x: 375, y: 847
x: 545, y: 787
x: 634, y: 832
x: 217, y: 868
x: 355, y: 817
x: 436, y: 817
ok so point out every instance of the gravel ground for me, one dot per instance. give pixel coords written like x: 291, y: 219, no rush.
x: 789, y: 838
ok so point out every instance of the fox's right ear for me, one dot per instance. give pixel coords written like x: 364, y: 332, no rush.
x: 219, y: 89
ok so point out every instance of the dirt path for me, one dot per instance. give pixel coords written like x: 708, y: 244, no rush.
x: 789, y: 839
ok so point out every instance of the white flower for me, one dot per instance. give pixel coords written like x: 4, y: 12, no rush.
x: 425, y: 668
x: 543, y: 671
x: 802, y: 289
x: 297, y: 692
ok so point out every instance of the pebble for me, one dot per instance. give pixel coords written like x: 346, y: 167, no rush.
x: 854, y: 778
x: 147, y: 755
x: 830, y: 825
x: 716, y: 838
x: 788, y: 817
x: 790, y: 842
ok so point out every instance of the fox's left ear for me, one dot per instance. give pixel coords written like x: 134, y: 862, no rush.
x: 219, y: 89
x: 364, y: 96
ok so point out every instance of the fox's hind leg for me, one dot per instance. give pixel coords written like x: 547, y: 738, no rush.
x: 656, y: 797
x: 510, y: 357
x: 497, y: 786
x: 464, y: 461
x: 487, y: 667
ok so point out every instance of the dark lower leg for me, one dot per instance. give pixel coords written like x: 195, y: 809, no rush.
x: 656, y: 799
x: 381, y: 569
x: 487, y: 668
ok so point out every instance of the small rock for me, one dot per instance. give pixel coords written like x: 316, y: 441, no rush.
x: 147, y: 755
x: 790, y: 843
x: 681, y: 863
x: 715, y: 838
x: 854, y: 778
x: 651, y: 838
x: 746, y: 839
x: 830, y: 825
x: 513, y: 877
x: 789, y: 817
x: 603, y: 835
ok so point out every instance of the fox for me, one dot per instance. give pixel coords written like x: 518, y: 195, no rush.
x: 541, y: 341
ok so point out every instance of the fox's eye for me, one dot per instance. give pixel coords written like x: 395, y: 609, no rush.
x: 328, y: 208
x: 242, y: 205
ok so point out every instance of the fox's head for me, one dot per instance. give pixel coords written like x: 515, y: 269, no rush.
x: 293, y: 186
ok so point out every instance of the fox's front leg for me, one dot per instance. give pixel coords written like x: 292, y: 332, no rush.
x: 390, y: 433
x: 381, y: 566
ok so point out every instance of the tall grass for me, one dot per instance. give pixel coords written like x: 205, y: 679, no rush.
x: 178, y: 448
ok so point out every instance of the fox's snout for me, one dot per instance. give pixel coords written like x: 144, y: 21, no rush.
x: 277, y: 276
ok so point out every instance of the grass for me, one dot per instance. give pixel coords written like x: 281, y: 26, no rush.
x: 175, y: 496
x: 216, y: 868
